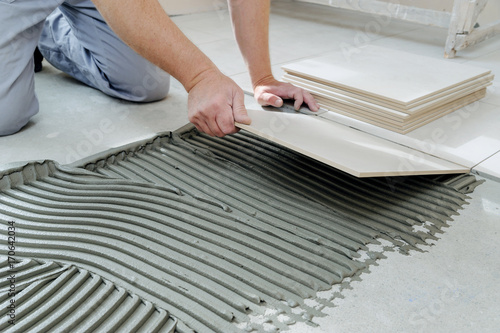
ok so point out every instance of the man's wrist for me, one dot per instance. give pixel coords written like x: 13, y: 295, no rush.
x: 263, y: 80
x: 200, y: 76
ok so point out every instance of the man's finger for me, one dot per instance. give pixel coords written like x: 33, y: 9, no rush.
x: 214, y: 127
x: 298, y: 100
x: 225, y: 121
x: 202, y: 127
x: 310, y: 101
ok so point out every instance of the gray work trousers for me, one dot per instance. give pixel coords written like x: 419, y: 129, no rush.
x: 74, y: 38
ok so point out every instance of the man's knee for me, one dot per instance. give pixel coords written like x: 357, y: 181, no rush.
x: 153, y: 86
x: 146, y: 83
x: 14, y: 118
x: 18, y: 102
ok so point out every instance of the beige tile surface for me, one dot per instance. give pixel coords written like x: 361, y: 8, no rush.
x: 400, y: 77
x: 390, y: 118
x: 409, y: 125
x: 354, y: 152
x: 359, y: 100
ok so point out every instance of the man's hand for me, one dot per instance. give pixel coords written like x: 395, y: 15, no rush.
x: 215, y: 102
x: 269, y: 91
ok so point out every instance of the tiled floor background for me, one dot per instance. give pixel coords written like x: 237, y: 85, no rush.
x: 452, y: 287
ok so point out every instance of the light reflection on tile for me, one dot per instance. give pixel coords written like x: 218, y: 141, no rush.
x: 466, y: 136
x: 354, y: 152
x: 490, y: 167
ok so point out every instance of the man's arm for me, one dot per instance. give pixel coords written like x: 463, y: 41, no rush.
x: 215, y: 101
x: 251, y: 27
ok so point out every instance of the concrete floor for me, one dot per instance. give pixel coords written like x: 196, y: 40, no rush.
x: 453, y: 286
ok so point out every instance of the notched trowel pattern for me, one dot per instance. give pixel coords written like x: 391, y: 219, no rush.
x: 216, y: 230
x: 51, y: 297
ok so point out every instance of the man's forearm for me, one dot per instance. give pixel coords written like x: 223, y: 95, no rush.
x: 251, y: 27
x: 146, y: 28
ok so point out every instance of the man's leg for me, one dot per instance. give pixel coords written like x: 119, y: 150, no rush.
x: 21, y: 23
x: 76, y: 40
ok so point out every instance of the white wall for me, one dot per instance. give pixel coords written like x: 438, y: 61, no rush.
x: 490, y: 13
x: 444, y: 5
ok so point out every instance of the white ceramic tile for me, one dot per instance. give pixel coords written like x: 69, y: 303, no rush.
x: 191, y: 7
x: 200, y: 37
x: 226, y: 55
x: 469, y: 134
x: 216, y: 22
x: 491, y: 60
x: 489, y: 168
x: 400, y: 77
x: 493, y: 93
x: 243, y: 80
x: 287, y: 39
x: 180, y: 19
x: 331, y: 29
x: 287, y: 45
x: 466, y: 136
x: 347, y: 149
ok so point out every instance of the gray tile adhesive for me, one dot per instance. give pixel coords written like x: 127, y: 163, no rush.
x: 201, y: 234
x: 64, y: 298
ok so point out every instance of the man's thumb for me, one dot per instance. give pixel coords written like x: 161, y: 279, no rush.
x: 270, y: 99
x: 240, y: 112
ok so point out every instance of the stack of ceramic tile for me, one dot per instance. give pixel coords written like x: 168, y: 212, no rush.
x: 395, y: 90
